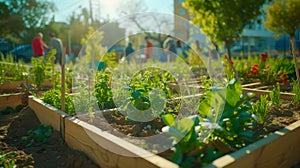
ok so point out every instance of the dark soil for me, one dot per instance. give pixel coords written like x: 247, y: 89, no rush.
x: 55, y: 153
x: 279, y: 117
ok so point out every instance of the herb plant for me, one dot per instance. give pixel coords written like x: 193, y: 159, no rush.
x: 5, y: 162
x: 53, y: 97
x: 296, y: 90
x: 275, y: 96
x: 260, y: 109
x: 38, y: 136
x: 231, y: 128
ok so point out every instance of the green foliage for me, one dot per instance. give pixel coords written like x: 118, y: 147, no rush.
x: 283, y: 16
x: 275, y: 95
x: 232, y: 127
x: 184, y: 135
x: 194, y: 58
x: 223, y: 21
x: 260, y: 109
x: 296, y: 90
x: 5, y: 161
x: 84, y: 98
x: 53, y: 97
x: 17, y: 20
x: 148, y: 88
x: 42, y: 68
x: 10, y: 70
x: 39, y: 136
x: 103, y: 91
x: 236, y: 117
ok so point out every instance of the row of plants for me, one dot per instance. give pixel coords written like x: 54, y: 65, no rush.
x: 262, y: 68
x: 233, y: 129
x: 242, y: 114
x: 41, y: 73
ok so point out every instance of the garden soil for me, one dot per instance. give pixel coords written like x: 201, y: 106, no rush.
x: 54, y: 153
x: 277, y: 118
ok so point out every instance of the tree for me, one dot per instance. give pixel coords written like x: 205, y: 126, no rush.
x: 137, y: 18
x: 283, y: 17
x: 223, y: 20
x: 17, y: 17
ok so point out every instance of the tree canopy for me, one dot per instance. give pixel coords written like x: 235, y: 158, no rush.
x: 283, y: 16
x: 223, y: 20
x: 23, y: 15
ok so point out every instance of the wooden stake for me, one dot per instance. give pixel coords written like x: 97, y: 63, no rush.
x: 63, y: 107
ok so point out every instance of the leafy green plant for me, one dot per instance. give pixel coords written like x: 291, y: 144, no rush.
x: 275, y: 95
x: 5, y: 162
x: 41, y: 69
x: 39, y: 136
x: 236, y: 118
x: 103, y: 90
x: 260, y: 109
x: 232, y: 127
x: 11, y: 70
x: 53, y: 97
x: 296, y: 90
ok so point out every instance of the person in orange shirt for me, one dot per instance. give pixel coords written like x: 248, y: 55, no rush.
x: 148, y: 51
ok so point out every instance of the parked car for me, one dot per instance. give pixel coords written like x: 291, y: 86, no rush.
x: 5, y: 48
x: 23, y: 52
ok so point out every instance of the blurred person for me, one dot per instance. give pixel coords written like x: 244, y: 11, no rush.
x: 169, y: 46
x: 148, y: 50
x: 179, y: 49
x: 129, y: 50
x: 55, y: 43
x: 38, y: 45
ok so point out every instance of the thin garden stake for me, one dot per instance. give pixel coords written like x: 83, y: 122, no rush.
x: 63, y: 107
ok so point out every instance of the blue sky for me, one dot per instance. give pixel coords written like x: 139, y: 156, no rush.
x: 107, y: 7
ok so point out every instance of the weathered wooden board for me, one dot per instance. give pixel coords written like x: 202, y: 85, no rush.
x: 104, y: 148
x: 12, y: 100
x: 108, y: 150
x: 279, y: 149
x: 47, y: 114
x: 9, y: 86
x: 249, y: 85
x: 283, y: 95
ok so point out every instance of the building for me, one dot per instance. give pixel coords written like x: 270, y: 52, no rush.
x: 254, y: 35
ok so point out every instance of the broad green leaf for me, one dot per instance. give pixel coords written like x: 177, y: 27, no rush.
x: 177, y: 155
x: 168, y: 119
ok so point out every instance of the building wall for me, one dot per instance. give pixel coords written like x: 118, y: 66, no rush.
x: 181, y: 28
x: 254, y: 34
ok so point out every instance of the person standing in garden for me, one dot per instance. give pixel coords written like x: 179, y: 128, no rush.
x: 56, y: 44
x: 129, y: 50
x: 148, y: 50
x: 170, y: 46
x: 38, y: 45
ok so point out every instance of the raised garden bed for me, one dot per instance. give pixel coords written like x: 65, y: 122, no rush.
x: 105, y: 149
x: 15, y: 86
x: 11, y: 100
x: 18, y: 149
x: 278, y: 148
x: 259, y: 89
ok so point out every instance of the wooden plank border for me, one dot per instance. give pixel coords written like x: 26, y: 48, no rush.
x: 12, y: 100
x: 279, y: 149
x: 97, y: 144
x: 258, y: 93
x: 46, y: 113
